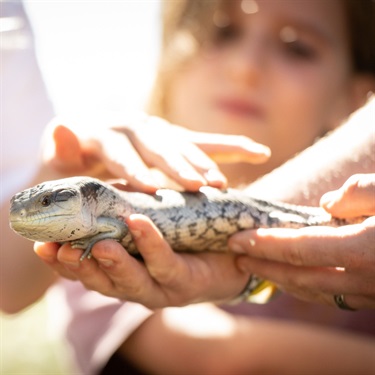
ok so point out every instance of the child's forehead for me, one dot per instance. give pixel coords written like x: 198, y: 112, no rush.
x: 320, y: 10
x: 324, y: 16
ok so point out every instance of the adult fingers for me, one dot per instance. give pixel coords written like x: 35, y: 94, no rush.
x: 317, y: 285
x: 353, y: 301
x: 154, y: 283
x: 319, y: 279
x: 359, y: 302
x: 355, y: 198
x: 47, y: 252
x: 164, y: 265
x: 129, y: 276
x: 348, y: 246
x: 211, y: 276
x: 86, y: 271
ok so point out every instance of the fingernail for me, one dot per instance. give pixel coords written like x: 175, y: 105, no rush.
x: 147, y: 180
x: 215, y: 176
x: 105, y: 262
x: 261, y: 149
x: 192, y: 176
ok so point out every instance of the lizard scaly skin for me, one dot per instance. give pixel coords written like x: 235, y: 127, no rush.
x: 83, y: 211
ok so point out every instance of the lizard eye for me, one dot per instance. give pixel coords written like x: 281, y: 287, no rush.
x: 46, y: 201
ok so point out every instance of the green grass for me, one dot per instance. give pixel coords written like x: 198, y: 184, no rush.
x: 25, y: 346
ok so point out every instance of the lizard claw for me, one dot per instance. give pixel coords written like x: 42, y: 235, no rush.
x: 115, y: 230
x: 83, y: 243
x: 86, y: 254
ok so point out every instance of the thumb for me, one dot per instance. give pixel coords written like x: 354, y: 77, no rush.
x: 64, y: 150
x: 355, y: 198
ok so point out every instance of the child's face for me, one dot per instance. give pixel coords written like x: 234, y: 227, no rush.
x: 281, y: 76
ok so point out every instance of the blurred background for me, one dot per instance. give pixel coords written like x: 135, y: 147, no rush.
x: 93, y: 54
x: 96, y: 53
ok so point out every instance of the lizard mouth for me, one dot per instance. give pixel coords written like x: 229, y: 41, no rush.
x: 36, y: 222
x: 43, y: 228
x: 35, y: 218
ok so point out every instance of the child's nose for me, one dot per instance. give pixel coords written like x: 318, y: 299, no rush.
x: 247, y: 60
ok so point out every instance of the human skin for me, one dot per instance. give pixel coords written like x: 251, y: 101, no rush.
x: 186, y: 173
x: 177, y: 333
x: 282, y: 92
x: 154, y: 319
x: 287, y: 68
x: 161, y: 279
x: 141, y: 352
x: 315, y: 263
x: 107, y: 153
x: 63, y: 259
x: 236, y: 345
x: 300, y: 261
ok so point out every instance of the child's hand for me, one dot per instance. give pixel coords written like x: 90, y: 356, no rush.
x: 130, y: 151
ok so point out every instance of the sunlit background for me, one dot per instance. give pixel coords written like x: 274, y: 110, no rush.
x: 97, y: 53
x: 93, y: 55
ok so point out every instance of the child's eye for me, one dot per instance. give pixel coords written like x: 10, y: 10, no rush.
x: 227, y: 34
x: 299, y: 50
x: 294, y: 46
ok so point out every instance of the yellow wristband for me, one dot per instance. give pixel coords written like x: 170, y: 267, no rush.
x: 257, y: 291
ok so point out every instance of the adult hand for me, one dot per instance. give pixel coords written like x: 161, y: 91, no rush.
x: 316, y: 263
x: 165, y: 278
x: 129, y: 151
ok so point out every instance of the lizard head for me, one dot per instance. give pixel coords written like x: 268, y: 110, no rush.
x: 39, y: 213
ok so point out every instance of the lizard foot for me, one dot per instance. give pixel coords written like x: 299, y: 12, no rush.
x: 110, y: 229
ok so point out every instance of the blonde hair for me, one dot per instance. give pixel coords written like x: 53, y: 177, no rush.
x: 181, y: 22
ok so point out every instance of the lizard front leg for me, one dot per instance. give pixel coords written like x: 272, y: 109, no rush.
x: 107, y: 227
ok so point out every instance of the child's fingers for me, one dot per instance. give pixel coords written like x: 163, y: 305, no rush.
x: 164, y: 265
x: 231, y: 148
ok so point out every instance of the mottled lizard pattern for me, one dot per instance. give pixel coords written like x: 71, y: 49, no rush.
x: 84, y: 210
